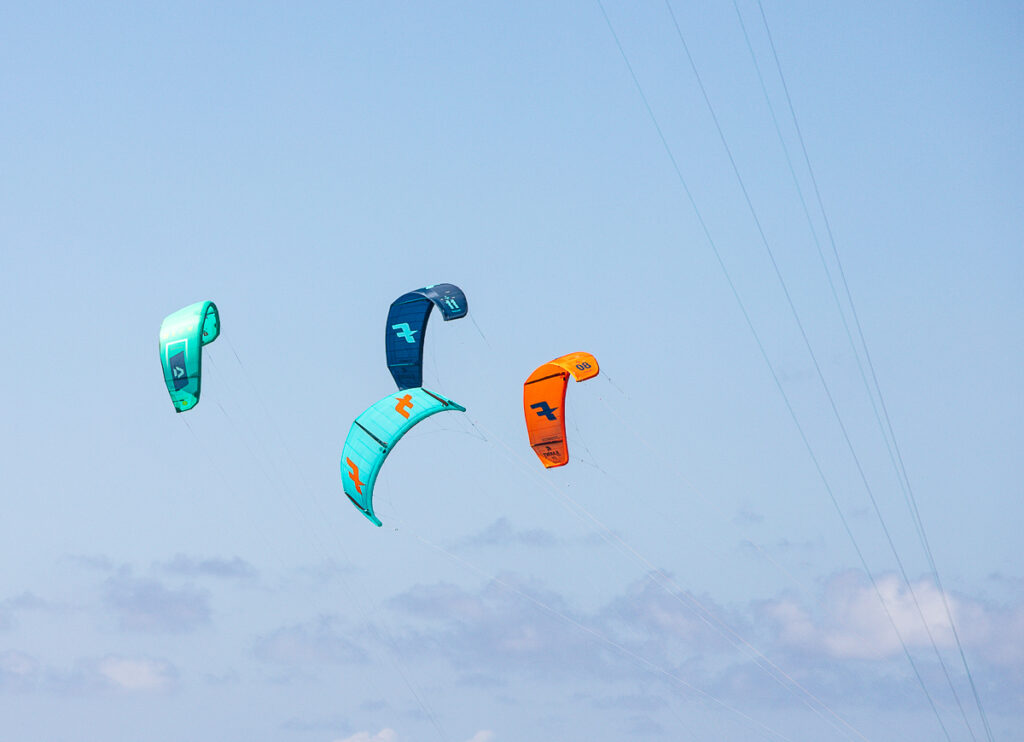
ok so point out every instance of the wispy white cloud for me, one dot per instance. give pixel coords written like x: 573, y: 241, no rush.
x: 496, y: 630
x: 25, y: 602
x: 10, y: 607
x: 641, y: 727
x: 851, y: 621
x: 630, y: 702
x: 384, y: 735
x: 135, y: 674
x: 847, y: 643
x: 481, y: 680
x: 502, y: 533
x: 655, y: 613
x: 18, y: 670
x: 389, y: 735
x: 95, y: 562
x: 325, y: 572
x: 326, y: 724
x: 226, y: 569
x: 322, y: 641
x: 147, y: 605
x: 840, y: 642
x: 997, y: 632
x: 512, y: 626
x: 21, y: 671
x: 747, y: 517
x: 184, y: 565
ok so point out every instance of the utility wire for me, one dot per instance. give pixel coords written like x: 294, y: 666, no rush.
x: 764, y: 354
x: 817, y: 367
x: 918, y: 526
x: 908, y: 490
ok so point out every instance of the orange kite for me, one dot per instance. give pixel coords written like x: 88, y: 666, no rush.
x: 544, y: 404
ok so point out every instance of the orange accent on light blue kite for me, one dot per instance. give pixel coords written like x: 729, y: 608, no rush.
x: 353, y: 474
x: 404, y: 403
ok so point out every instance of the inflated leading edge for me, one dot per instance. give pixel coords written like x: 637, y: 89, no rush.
x: 375, y: 433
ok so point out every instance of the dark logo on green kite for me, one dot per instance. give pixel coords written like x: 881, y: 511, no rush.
x: 178, y: 373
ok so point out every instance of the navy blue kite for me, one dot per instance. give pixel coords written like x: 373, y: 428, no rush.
x: 407, y: 323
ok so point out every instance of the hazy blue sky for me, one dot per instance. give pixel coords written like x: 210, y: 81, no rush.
x: 202, y: 576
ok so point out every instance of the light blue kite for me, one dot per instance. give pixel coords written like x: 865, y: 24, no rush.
x: 182, y: 336
x: 375, y: 433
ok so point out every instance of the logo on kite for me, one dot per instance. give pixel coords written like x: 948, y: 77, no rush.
x: 405, y: 332
x: 404, y: 403
x: 353, y: 474
x: 177, y: 364
x: 544, y: 410
x: 452, y: 304
x: 550, y: 455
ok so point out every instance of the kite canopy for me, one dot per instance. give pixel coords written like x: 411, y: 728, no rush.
x: 544, y: 404
x: 375, y: 433
x: 182, y: 336
x: 407, y: 324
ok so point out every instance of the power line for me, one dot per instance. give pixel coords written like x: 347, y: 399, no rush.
x: 760, y: 344
x: 899, y: 462
x: 856, y: 352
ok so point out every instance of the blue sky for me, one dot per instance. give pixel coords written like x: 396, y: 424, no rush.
x: 304, y: 166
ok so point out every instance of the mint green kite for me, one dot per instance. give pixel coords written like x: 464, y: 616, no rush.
x: 375, y: 433
x: 182, y: 336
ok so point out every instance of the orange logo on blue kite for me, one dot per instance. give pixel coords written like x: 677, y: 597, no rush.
x: 353, y: 474
x: 404, y: 403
